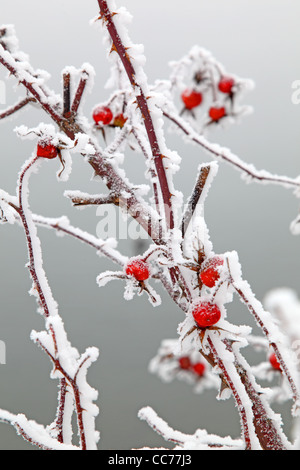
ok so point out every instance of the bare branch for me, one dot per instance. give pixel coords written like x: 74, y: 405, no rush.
x: 87, y: 200
x: 194, y: 199
x: 120, y: 48
x: 13, y: 109
x: 67, y: 94
x: 249, y: 171
x: 79, y: 92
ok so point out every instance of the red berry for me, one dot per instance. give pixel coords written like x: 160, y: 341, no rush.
x: 102, y: 114
x: 119, y: 120
x: 199, y: 369
x: 139, y: 269
x: 185, y: 363
x: 210, y: 274
x: 226, y: 84
x: 45, y: 150
x: 274, y: 362
x: 217, y: 113
x: 191, y: 98
x: 206, y: 314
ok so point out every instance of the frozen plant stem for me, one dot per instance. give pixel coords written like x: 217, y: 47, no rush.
x: 54, y: 324
x: 158, y: 157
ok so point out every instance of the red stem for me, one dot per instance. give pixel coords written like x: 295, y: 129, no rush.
x: 16, y: 107
x: 142, y: 103
x: 237, y: 398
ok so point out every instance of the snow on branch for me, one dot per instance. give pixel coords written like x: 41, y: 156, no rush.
x: 201, y: 440
x: 34, y: 433
x: 68, y: 366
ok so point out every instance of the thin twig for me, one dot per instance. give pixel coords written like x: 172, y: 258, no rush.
x: 13, y: 109
x: 66, y: 94
x: 218, y: 152
x: 194, y: 199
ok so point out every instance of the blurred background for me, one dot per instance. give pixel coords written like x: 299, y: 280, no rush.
x: 253, y: 39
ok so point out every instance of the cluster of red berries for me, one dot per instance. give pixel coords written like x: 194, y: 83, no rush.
x: 193, y: 98
x: 104, y: 116
x: 210, y: 272
x: 185, y: 363
x: 46, y: 150
x: 138, y: 269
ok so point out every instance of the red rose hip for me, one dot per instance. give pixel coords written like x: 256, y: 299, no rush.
x: 45, y: 150
x: 274, y: 362
x: 138, y: 269
x: 210, y: 273
x: 191, y: 98
x: 217, y: 113
x: 206, y: 314
x: 199, y: 369
x: 185, y: 363
x: 226, y: 84
x: 102, y: 114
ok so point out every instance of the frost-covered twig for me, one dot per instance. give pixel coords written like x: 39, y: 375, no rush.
x: 129, y: 201
x: 34, y: 433
x: 201, y: 440
x: 249, y: 172
x: 266, y: 323
x: 15, y: 108
x: 66, y: 361
x: 140, y: 91
x: 83, y: 199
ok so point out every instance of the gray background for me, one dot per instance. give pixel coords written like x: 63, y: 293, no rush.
x: 253, y: 39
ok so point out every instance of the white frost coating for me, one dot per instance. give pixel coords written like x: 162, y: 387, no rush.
x: 285, y: 304
x: 266, y: 322
x: 214, y: 168
x: 104, y: 247
x: 295, y: 226
x: 7, y: 213
x: 172, y: 160
x: 33, y: 431
x: 248, y: 171
x: 37, y: 253
x: 201, y: 440
x: 19, y: 62
x: 71, y: 364
x: 245, y: 404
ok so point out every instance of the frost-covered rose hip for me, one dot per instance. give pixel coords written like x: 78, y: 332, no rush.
x: 138, y: 269
x: 45, y: 150
x: 191, y: 98
x: 210, y: 273
x: 217, y: 113
x: 199, y: 369
x: 185, y: 363
x: 103, y: 115
x: 226, y: 84
x: 206, y: 314
x: 274, y: 362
